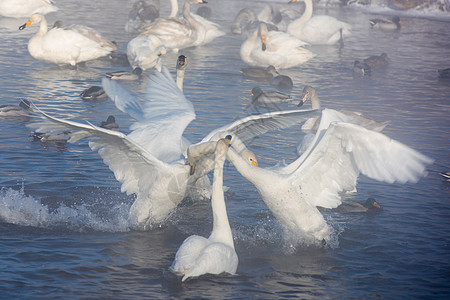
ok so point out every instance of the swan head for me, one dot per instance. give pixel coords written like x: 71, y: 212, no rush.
x: 250, y: 157
x: 181, y: 62
x: 307, y: 94
x: 35, y: 18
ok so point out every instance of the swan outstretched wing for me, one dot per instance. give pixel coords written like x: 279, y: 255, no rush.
x: 255, y: 125
x: 162, y: 116
x: 345, y: 150
x: 132, y: 165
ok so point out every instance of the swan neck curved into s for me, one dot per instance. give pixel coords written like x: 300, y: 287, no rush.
x: 306, y: 16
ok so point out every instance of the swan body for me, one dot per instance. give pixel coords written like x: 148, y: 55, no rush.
x: 215, y: 254
x: 150, y: 161
x: 391, y: 24
x: 62, y: 46
x: 280, y: 50
x: 26, y: 8
x: 318, y: 30
x: 144, y: 52
x: 338, y: 154
x: 178, y: 33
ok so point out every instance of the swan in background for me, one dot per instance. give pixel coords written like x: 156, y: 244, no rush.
x: 211, y: 29
x: 26, y: 8
x: 88, y: 32
x: 338, y: 154
x: 391, y: 24
x: 23, y: 109
x: 246, y: 22
x: 61, y: 46
x: 318, y: 30
x: 178, y: 33
x: 150, y: 161
x: 280, y: 50
x: 144, y: 52
x: 198, y: 255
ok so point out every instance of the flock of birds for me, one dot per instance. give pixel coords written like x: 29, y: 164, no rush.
x: 161, y: 167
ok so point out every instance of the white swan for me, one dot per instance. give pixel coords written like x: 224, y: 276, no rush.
x: 339, y: 153
x: 181, y: 68
x: 150, y: 161
x: 211, y: 30
x: 264, y: 48
x: 318, y: 30
x: 144, y: 51
x: 25, y: 8
x: 310, y: 126
x: 215, y: 254
x: 61, y: 46
x: 178, y: 33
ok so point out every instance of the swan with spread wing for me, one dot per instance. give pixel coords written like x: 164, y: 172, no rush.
x: 331, y: 165
x: 150, y: 161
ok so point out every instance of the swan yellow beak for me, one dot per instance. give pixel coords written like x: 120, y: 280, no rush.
x: 22, y: 27
x: 264, y: 46
x: 254, y: 163
x: 228, y: 139
x: 159, y: 53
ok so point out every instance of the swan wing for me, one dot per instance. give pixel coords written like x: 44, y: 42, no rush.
x: 345, y: 150
x: 133, y: 166
x: 162, y: 116
x: 255, y: 125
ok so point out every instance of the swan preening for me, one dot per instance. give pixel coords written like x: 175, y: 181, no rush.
x: 339, y: 152
x: 150, y: 161
x: 215, y: 254
x: 65, y: 45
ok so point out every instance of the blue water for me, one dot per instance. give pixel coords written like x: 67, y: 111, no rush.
x: 63, y: 219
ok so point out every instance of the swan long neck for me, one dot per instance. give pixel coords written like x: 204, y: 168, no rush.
x: 43, y: 27
x: 306, y: 16
x: 244, y: 14
x: 180, y: 78
x: 174, y: 8
x: 192, y: 22
x: 243, y: 167
x: 221, y: 226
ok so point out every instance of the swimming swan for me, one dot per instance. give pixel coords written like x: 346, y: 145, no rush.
x: 178, y: 33
x: 25, y: 8
x: 338, y: 154
x: 213, y: 255
x: 151, y: 160
x: 264, y: 48
x: 62, y: 46
x: 318, y: 30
